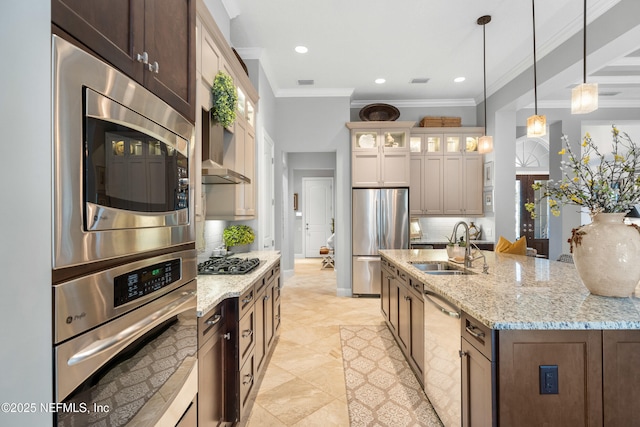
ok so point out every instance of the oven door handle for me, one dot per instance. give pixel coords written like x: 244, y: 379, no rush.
x: 134, y: 331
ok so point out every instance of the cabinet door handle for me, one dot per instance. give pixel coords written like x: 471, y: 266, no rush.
x: 154, y: 68
x: 390, y: 277
x: 227, y: 336
x: 247, y: 333
x: 248, y: 379
x: 266, y: 297
x: 462, y: 353
x: 143, y: 57
x: 248, y: 299
x: 407, y: 298
x: 472, y: 330
x: 213, y: 320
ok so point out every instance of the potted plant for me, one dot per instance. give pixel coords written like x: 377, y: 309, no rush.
x: 237, y: 238
x: 225, y: 99
x: 455, y: 249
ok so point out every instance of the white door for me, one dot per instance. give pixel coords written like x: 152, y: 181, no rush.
x: 317, y: 202
x: 267, y: 201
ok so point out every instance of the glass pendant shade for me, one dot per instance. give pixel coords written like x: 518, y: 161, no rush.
x: 485, y: 144
x: 584, y: 98
x: 536, y: 126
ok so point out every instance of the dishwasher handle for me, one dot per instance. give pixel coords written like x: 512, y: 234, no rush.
x: 450, y: 313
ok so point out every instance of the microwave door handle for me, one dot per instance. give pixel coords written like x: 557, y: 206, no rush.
x: 133, y: 332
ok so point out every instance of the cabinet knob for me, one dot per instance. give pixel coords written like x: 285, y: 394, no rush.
x: 462, y: 353
x: 154, y: 68
x: 143, y: 57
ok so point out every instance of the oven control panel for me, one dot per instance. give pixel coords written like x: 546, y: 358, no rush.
x: 144, y: 281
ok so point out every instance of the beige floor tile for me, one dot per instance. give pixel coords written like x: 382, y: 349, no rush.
x: 303, y: 384
x: 335, y: 414
x: 294, y: 400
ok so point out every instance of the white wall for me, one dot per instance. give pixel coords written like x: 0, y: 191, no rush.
x: 25, y: 235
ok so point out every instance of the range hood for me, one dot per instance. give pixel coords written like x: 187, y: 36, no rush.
x: 213, y: 170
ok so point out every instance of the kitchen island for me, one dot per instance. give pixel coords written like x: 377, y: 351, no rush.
x: 537, y: 348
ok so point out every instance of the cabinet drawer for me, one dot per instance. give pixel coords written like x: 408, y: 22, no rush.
x: 210, y: 323
x: 246, y: 335
x: 261, y: 283
x: 245, y: 302
x: 403, y: 277
x: 477, y: 335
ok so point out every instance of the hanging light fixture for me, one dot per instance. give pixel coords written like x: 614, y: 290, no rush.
x: 536, y: 125
x: 485, y: 143
x: 584, y: 97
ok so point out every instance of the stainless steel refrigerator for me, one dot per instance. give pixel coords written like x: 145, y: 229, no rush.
x: 380, y: 220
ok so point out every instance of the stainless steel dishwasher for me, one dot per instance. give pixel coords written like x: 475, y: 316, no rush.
x: 442, y: 378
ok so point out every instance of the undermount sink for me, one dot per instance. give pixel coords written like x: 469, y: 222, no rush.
x: 440, y: 268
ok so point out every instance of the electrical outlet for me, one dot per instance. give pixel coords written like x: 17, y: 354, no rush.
x: 548, y: 379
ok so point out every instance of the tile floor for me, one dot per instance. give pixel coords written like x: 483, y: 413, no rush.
x: 303, y: 384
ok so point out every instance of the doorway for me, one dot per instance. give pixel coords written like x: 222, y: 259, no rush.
x: 535, y: 230
x: 317, y: 214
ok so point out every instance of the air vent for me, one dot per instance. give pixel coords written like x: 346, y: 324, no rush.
x: 421, y: 80
x: 305, y: 82
x: 608, y: 93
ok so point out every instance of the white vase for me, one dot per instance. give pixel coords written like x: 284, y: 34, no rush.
x: 606, y: 254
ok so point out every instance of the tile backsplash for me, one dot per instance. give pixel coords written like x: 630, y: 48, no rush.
x: 211, y: 235
x: 438, y: 229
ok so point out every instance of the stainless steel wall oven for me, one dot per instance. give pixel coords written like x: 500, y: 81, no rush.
x: 123, y: 251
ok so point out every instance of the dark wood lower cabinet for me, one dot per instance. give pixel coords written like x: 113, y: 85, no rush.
x: 212, y: 372
x: 621, y: 378
x: 578, y: 358
x: 478, y: 406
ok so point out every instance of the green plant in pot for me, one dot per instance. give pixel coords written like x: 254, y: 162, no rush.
x: 237, y: 238
x: 455, y: 248
x: 225, y: 99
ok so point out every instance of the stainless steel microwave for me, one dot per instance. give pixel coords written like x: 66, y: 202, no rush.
x: 122, y: 164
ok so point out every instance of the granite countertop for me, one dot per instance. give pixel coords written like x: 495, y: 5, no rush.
x: 523, y: 292
x: 213, y: 289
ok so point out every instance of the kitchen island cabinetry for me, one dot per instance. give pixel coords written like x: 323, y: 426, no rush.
x: 401, y: 298
x: 151, y: 41
x: 380, y: 154
x: 446, y: 171
x: 536, y: 347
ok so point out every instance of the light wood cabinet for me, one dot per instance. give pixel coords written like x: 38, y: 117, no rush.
x: 380, y: 154
x: 231, y: 202
x: 446, y: 172
x: 151, y: 41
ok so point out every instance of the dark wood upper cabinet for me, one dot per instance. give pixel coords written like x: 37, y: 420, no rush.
x: 152, y: 41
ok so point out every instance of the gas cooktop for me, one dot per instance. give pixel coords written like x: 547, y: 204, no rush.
x: 224, y: 265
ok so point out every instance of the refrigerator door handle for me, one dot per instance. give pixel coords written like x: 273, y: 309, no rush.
x: 378, y: 225
x: 381, y: 224
x: 368, y: 258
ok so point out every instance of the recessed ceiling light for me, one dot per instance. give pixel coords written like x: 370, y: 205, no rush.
x: 459, y: 79
x: 302, y: 49
x: 380, y: 81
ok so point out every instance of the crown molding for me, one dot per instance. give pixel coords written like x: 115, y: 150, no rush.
x: 313, y: 93
x: 232, y: 8
x: 602, y: 103
x: 417, y: 103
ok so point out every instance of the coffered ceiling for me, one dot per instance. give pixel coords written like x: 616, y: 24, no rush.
x: 352, y: 43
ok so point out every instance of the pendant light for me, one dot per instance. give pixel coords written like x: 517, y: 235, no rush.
x: 584, y: 97
x: 485, y: 143
x: 536, y: 125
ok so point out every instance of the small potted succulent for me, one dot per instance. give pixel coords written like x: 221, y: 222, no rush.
x: 238, y: 238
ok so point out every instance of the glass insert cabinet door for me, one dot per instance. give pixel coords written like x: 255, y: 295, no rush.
x: 395, y: 139
x: 426, y: 143
x: 366, y: 140
x: 536, y: 230
x: 460, y: 144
